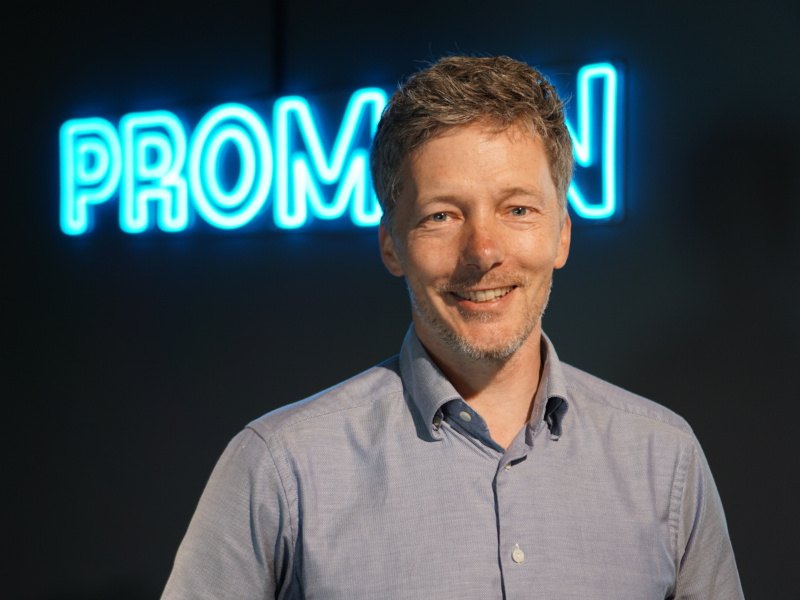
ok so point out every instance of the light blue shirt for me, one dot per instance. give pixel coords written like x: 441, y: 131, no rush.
x: 389, y: 485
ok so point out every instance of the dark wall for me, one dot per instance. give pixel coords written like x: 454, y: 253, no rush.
x: 133, y: 360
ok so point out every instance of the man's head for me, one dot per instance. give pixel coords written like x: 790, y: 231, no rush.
x: 459, y: 90
x: 475, y: 217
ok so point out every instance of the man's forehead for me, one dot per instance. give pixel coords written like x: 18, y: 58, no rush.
x: 516, y: 130
x: 494, y: 157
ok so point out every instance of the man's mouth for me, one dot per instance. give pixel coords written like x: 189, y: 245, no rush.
x: 483, y: 295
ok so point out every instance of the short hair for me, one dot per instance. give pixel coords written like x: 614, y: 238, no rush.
x: 459, y: 90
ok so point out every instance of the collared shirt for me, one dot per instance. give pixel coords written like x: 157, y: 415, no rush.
x: 389, y: 485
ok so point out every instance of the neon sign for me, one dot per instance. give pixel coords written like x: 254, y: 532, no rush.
x: 230, y: 170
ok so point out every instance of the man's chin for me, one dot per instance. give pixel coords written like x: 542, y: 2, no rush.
x: 491, y: 347
x: 478, y: 336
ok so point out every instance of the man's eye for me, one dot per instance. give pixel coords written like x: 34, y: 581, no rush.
x: 438, y: 217
x: 519, y: 211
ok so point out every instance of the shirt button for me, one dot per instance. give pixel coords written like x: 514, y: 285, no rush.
x: 517, y: 555
x: 465, y: 416
x: 507, y: 467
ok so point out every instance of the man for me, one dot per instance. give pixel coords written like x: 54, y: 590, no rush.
x: 475, y: 464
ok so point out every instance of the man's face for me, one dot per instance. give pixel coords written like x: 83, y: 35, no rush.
x: 477, y: 232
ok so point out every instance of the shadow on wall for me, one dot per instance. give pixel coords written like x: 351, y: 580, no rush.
x: 745, y: 234
x: 733, y: 359
x: 739, y: 335
x: 747, y: 187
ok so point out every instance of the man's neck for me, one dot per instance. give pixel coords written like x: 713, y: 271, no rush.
x: 502, y: 392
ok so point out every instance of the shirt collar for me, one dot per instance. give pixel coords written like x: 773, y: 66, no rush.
x: 430, y: 390
x: 550, y: 403
x: 425, y: 383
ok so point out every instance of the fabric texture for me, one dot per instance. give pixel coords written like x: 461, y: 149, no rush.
x: 388, y: 485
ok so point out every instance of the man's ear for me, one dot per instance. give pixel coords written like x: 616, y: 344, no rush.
x: 564, y: 238
x: 389, y: 252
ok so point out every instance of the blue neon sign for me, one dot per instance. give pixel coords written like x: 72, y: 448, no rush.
x: 589, y: 152
x: 229, y: 171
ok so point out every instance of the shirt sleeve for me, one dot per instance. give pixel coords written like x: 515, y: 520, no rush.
x: 239, y: 543
x: 706, y: 565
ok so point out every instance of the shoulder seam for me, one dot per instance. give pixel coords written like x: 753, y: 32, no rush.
x: 680, y: 426
x: 301, y: 418
x: 268, y: 447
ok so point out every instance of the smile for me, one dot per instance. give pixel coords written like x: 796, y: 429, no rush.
x: 483, y: 295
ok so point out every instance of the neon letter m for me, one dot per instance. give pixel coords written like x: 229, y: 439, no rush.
x: 299, y: 174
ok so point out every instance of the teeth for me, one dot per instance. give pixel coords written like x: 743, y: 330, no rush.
x: 484, y: 295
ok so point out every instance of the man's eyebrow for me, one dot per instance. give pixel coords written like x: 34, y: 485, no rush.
x: 504, y: 194
x: 444, y: 198
x: 529, y: 191
x: 525, y: 193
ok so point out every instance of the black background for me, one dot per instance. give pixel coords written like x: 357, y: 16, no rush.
x: 131, y: 360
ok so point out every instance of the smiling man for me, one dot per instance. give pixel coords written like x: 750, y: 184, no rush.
x: 477, y: 232
x: 475, y: 464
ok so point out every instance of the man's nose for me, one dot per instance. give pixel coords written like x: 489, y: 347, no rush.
x: 482, y: 246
